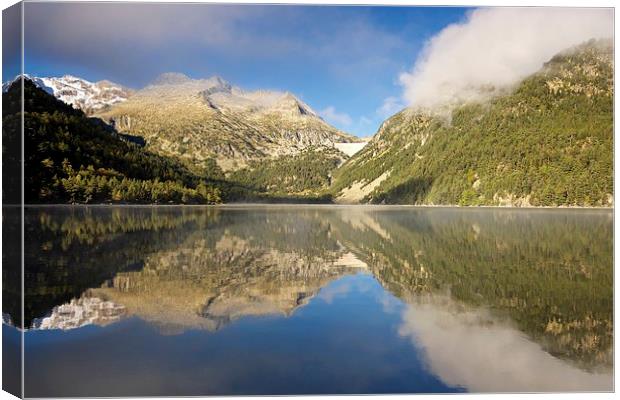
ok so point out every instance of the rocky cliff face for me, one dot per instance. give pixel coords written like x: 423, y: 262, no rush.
x: 200, y: 119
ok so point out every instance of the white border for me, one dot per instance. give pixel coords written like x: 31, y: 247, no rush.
x: 459, y: 3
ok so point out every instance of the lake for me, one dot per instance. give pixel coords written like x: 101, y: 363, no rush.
x: 125, y: 301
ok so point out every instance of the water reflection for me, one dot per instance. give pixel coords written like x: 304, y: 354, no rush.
x: 203, y: 287
x: 472, y: 348
x: 481, y: 300
x: 549, y: 271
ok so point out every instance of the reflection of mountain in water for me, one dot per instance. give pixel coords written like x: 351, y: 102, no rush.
x: 201, y: 288
x: 198, y: 286
x: 69, y: 250
x: 202, y: 275
x: 86, y: 310
x: 548, y: 273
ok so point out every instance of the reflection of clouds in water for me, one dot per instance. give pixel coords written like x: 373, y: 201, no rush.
x: 361, y: 282
x: 389, y: 303
x: 469, y: 348
x: 329, y: 293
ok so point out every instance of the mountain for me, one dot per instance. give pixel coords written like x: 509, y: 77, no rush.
x: 198, y: 120
x: 71, y: 158
x: 80, y: 93
x: 210, y: 126
x: 548, y: 142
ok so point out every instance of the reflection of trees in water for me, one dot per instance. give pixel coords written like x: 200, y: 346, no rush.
x: 203, y: 255
x: 68, y: 250
x: 550, y: 271
x: 11, y: 265
x: 91, y: 225
x: 304, y: 231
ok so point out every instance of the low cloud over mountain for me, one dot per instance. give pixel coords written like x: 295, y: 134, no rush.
x: 496, y: 48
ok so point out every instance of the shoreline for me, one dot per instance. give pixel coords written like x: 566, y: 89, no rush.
x: 311, y: 205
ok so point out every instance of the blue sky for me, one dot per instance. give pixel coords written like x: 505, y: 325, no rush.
x: 344, y: 61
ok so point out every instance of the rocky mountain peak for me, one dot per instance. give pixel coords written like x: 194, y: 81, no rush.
x: 171, y: 78
x: 218, y: 81
x: 291, y: 105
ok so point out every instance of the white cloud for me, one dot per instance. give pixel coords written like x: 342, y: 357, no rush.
x: 391, y: 105
x: 498, y: 47
x: 133, y: 42
x: 334, y: 117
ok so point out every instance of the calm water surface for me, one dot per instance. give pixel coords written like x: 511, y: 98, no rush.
x: 125, y: 301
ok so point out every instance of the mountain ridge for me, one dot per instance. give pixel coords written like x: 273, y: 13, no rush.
x: 197, y: 120
x: 200, y: 120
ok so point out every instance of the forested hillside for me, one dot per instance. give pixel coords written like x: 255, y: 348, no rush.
x: 306, y: 175
x: 70, y: 158
x: 547, y: 143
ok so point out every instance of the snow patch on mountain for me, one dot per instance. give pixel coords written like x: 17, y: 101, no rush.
x: 80, y: 93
